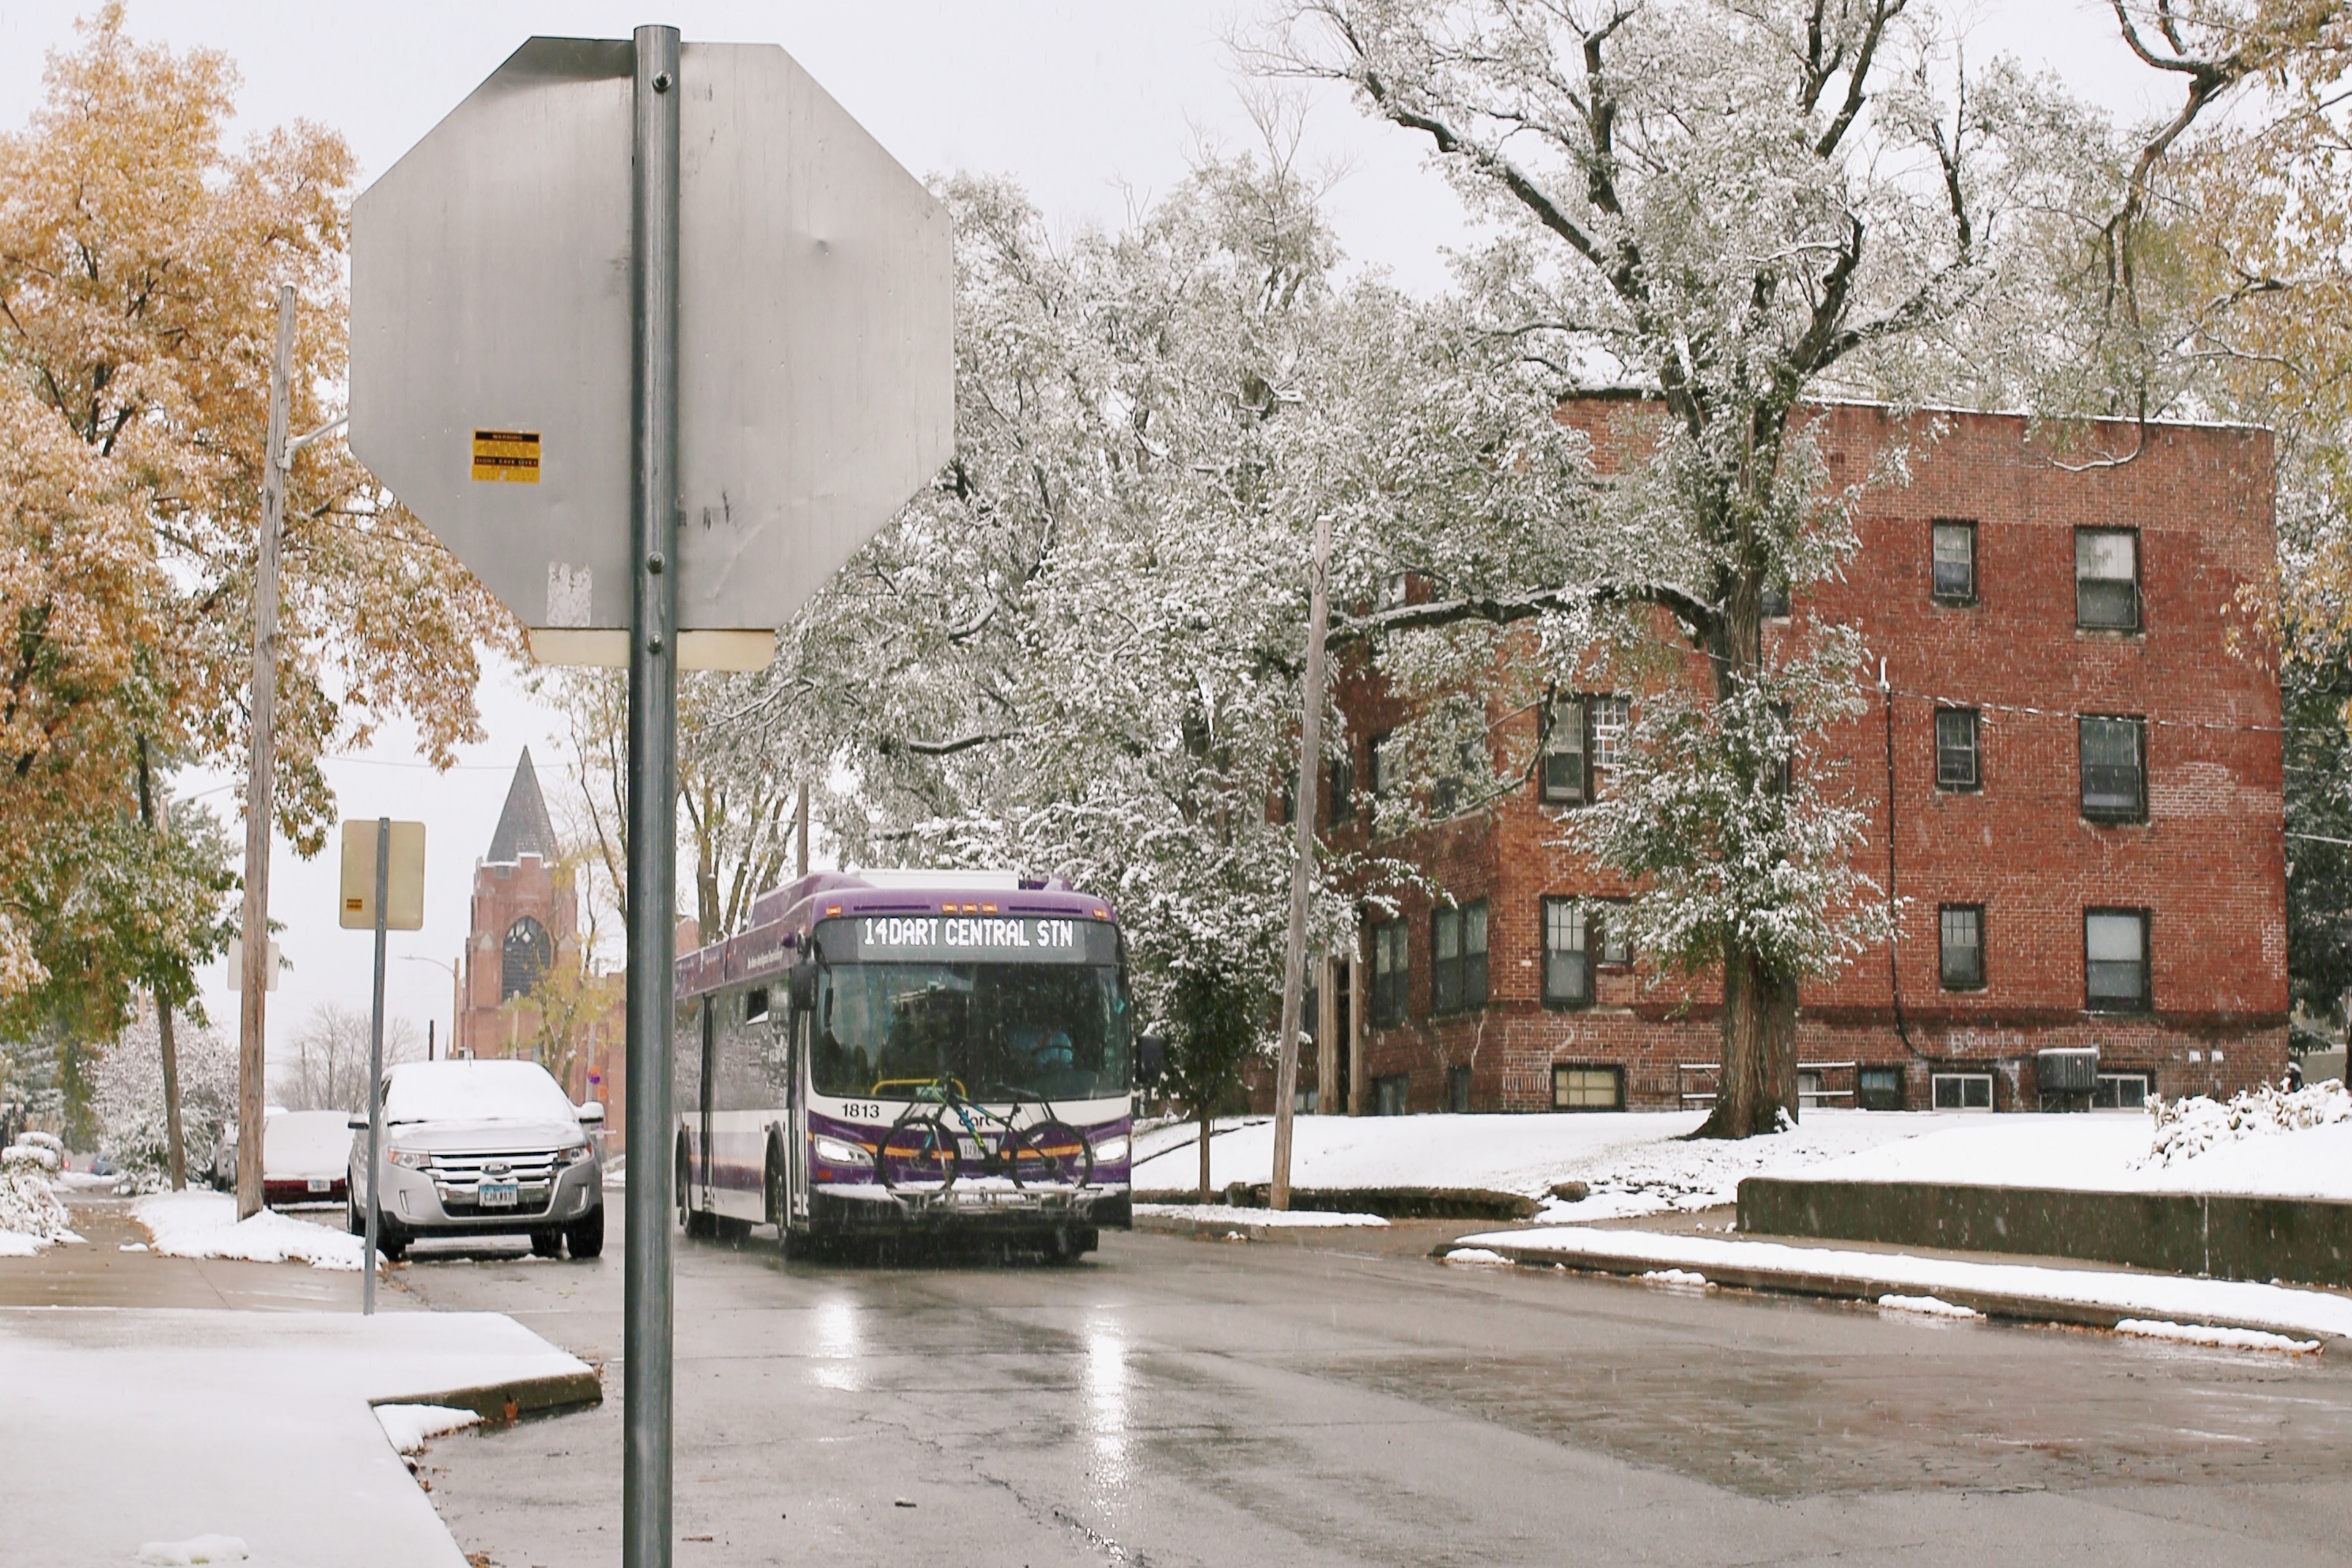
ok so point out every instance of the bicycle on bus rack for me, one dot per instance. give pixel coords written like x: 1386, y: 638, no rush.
x: 945, y: 1134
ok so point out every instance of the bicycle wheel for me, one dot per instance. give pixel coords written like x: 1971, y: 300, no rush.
x: 1051, y: 1154
x: 919, y: 1152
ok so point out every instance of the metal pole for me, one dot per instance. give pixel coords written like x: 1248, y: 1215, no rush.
x: 653, y: 804
x: 1302, y: 872
x: 375, y: 1068
x: 258, y: 779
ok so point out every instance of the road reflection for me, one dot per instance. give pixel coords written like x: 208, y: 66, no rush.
x: 1106, y: 1386
x: 839, y: 1342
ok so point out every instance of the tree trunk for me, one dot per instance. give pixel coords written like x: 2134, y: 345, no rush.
x: 1206, y: 1114
x: 171, y: 1090
x: 1758, y: 1080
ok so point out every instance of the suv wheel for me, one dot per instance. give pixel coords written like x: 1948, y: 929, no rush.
x: 585, y: 1236
x: 391, y: 1240
x: 547, y: 1242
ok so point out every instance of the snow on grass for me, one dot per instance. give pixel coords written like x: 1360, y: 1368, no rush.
x: 196, y: 1549
x: 2207, y: 1334
x: 2120, y: 1154
x: 1477, y: 1258
x: 2128, y: 1295
x: 2188, y: 1128
x: 409, y: 1425
x: 1925, y: 1306
x: 1632, y: 1163
x: 204, y: 1225
x: 1227, y: 1214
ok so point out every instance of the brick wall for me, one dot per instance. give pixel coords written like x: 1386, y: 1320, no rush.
x: 2208, y: 864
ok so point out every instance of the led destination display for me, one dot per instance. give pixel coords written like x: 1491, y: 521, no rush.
x: 968, y: 939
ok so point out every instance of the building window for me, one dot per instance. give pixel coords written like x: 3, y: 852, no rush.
x: 1389, y: 973
x: 2114, y: 960
x: 1962, y: 1090
x: 1457, y: 1090
x: 1388, y: 1092
x: 2106, y: 579
x: 1957, y: 766
x: 1962, y: 945
x: 1612, y: 717
x: 1567, y: 954
x: 2121, y: 1091
x: 1609, y: 933
x: 1393, y: 591
x: 1773, y: 600
x: 1457, y: 958
x: 1878, y: 1089
x: 1565, y: 782
x: 524, y: 956
x: 1955, y: 550
x: 1588, y: 1088
x: 1342, y: 806
x: 2113, y: 768
x: 1376, y: 766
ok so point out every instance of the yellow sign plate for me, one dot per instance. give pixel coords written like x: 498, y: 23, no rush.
x: 506, y: 456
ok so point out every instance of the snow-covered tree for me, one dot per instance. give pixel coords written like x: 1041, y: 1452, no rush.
x: 127, y: 1097
x: 1729, y: 207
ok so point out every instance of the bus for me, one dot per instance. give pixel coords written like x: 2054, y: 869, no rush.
x: 939, y: 1054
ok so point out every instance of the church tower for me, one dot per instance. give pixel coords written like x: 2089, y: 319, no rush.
x: 525, y: 918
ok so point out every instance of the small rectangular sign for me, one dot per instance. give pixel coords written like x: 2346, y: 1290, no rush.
x: 967, y: 939
x: 404, y: 904
x: 506, y: 456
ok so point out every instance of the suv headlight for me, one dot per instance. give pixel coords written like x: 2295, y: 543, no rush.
x: 836, y: 1151
x: 1112, y: 1150
x: 572, y: 1154
x: 408, y: 1159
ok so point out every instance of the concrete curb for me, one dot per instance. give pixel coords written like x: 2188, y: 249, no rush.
x: 1837, y: 1287
x: 503, y: 1403
x: 1247, y: 1230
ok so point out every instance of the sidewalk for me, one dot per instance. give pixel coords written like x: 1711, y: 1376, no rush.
x: 122, y: 1428
x: 97, y: 1272
x: 2016, y: 1290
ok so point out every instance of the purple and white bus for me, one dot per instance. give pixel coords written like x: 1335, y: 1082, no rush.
x: 908, y: 1053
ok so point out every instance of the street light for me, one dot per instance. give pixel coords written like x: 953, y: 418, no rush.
x: 452, y: 968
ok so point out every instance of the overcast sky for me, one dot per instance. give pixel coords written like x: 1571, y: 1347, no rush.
x: 1094, y: 108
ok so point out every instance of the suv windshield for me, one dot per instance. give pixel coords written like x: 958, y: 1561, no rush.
x: 1059, y: 1031
x: 474, y: 1091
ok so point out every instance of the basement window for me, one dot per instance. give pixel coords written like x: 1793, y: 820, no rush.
x: 1577, y: 1087
x: 1879, y: 1089
x: 1962, y: 1090
x: 2121, y: 1091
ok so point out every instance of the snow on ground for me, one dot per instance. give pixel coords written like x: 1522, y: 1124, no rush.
x: 195, y: 1550
x: 204, y: 1225
x: 158, y: 1425
x: 1633, y: 1163
x: 2207, y: 1334
x: 410, y: 1426
x: 1226, y: 1213
x: 2109, y: 1153
x: 1925, y: 1306
x: 2161, y: 1296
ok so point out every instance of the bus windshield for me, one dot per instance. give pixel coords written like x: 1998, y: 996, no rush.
x: 1054, y: 1031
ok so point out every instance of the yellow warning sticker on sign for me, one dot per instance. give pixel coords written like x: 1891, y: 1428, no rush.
x: 506, y: 456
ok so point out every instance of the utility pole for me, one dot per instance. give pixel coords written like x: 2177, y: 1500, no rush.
x: 1302, y: 872
x: 259, y: 804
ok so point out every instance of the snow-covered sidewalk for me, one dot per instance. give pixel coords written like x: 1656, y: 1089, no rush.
x: 122, y: 1428
x: 2011, y: 1289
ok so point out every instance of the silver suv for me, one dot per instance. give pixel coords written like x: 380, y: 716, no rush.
x: 482, y: 1147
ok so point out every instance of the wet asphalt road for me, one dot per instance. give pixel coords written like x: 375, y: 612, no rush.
x: 1173, y: 1400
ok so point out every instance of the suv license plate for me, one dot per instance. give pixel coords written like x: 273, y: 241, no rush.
x: 497, y: 1194
x: 321, y: 1185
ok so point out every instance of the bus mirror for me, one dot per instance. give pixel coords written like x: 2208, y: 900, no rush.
x: 1150, y: 1059
x: 803, y: 980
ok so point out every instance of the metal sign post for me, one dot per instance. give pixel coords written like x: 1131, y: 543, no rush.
x: 778, y: 368
x: 653, y: 801
x: 376, y: 1070
x: 382, y: 890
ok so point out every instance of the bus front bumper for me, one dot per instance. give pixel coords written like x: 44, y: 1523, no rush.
x: 869, y: 1208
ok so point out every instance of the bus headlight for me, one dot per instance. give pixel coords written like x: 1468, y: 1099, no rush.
x: 1112, y: 1150
x: 836, y: 1151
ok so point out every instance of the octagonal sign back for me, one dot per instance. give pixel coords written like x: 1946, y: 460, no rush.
x: 491, y: 336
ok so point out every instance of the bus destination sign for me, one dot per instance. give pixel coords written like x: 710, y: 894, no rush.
x: 967, y: 939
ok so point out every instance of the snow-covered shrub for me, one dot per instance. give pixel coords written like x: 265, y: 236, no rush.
x: 29, y: 1202
x: 2186, y: 1128
x: 126, y: 1095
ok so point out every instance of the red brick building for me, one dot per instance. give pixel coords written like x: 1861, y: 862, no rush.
x: 2087, y: 813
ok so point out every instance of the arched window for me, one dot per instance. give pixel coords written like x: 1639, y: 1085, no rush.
x: 529, y: 950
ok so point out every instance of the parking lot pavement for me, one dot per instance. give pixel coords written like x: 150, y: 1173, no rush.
x: 1346, y: 1400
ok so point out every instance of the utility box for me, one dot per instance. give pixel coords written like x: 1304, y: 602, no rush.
x: 2067, y: 1077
